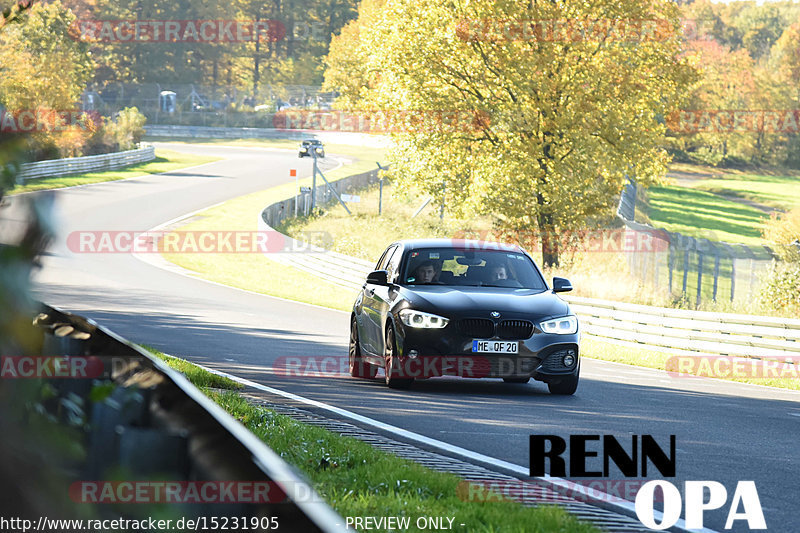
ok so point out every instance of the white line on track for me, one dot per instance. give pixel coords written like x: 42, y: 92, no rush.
x: 625, y: 506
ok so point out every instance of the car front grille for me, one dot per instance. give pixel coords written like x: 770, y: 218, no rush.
x: 514, y: 329
x: 478, y: 328
x: 555, y: 361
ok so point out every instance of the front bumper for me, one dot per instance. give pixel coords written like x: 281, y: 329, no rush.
x: 448, y: 353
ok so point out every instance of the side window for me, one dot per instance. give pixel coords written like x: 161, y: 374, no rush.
x: 394, y: 264
x: 385, y: 258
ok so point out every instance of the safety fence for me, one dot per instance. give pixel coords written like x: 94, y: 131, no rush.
x: 89, y: 163
x: 673, y: 330
x: 696, y: 268
x: 203, y: 132
x: 689, y: 332
x: 140, y: 424
x: 315, y: 259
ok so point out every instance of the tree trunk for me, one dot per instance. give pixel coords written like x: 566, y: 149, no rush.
x: 544, y: 218
x: 547, y: 236
x: 256, y: 58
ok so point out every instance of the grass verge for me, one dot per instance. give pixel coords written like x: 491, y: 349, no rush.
x: 359, y: 480
x: 256, y: 272
x: 722, y: 205
x: 365, y: 234
x: 165, y: 161
x: 198, y: 376
x: 704, y: 214
x: 595, y: 348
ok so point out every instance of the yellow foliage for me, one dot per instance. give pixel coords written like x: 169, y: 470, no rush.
x: 782, y: 230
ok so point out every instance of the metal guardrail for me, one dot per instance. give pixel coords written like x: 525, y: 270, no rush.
x: 689, y: 332
x: 89, y: 163
x: 340, y: 269
x: 155, y: 425
x: 674, y: 330
x: 207, y: 132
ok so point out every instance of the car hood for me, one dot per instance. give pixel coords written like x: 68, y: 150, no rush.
x: 480, y: 301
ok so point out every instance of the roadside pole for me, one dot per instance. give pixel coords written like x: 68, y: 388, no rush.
x: 314, y: 181
x: 293, y: 172
x: 380, y: 189
x: 330, y: 187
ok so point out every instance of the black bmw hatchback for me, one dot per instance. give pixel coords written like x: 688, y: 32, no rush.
x: 443, y: 307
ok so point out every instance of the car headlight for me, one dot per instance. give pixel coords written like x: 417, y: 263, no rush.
x: 418, y: 319
x: 565, y: 325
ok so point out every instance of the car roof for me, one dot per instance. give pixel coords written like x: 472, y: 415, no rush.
x: 313, y: 141
x: 414, y: 244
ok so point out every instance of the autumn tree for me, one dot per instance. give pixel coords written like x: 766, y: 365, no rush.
x: 42, y: 64
x: 45, y: 70
x: 556, y: 103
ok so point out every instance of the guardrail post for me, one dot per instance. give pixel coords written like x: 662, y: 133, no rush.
x: 716, y: 275
x: 685, y: 267
x: 671, y: 266
x: 699, y: 278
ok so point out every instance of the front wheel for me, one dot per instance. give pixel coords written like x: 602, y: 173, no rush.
x: 392, y: 364
x: 566, y: 386
x: 358, y: 368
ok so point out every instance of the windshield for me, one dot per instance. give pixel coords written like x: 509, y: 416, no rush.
x: 471, y: 268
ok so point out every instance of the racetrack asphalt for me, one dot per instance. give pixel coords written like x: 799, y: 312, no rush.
x: 725, y: 431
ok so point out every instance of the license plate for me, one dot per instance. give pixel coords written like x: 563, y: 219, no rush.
x: 495, y: 347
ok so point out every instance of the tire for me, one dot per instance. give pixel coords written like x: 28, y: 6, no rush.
x: 566, y: 386
x: 390, y: 360
x: 358, y: 368
x: 517, y: 380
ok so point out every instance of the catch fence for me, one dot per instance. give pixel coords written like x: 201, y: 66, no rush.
x: 696, y: 269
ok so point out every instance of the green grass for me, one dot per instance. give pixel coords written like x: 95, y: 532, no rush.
x: 595, y: 348
x: 703, y: 214
x: 366, y: 235
x: 775, y: 191
x: 359, y: 480
x: 708, y: 207
x: 198, y: 376
x: 165, y: 161
x: 258, y: 273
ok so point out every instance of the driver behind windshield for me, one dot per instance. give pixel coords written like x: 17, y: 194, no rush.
x: 426, y: 272
x: 497, y: 273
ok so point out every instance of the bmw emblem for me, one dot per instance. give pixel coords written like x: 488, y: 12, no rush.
x: 495, y: 314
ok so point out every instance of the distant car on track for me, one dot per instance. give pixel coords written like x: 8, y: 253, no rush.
x: 308, y: 146
x: 437, y: 307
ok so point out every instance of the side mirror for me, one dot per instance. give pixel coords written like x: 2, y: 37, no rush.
x: 561, y: 284
x: 378, y: 277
